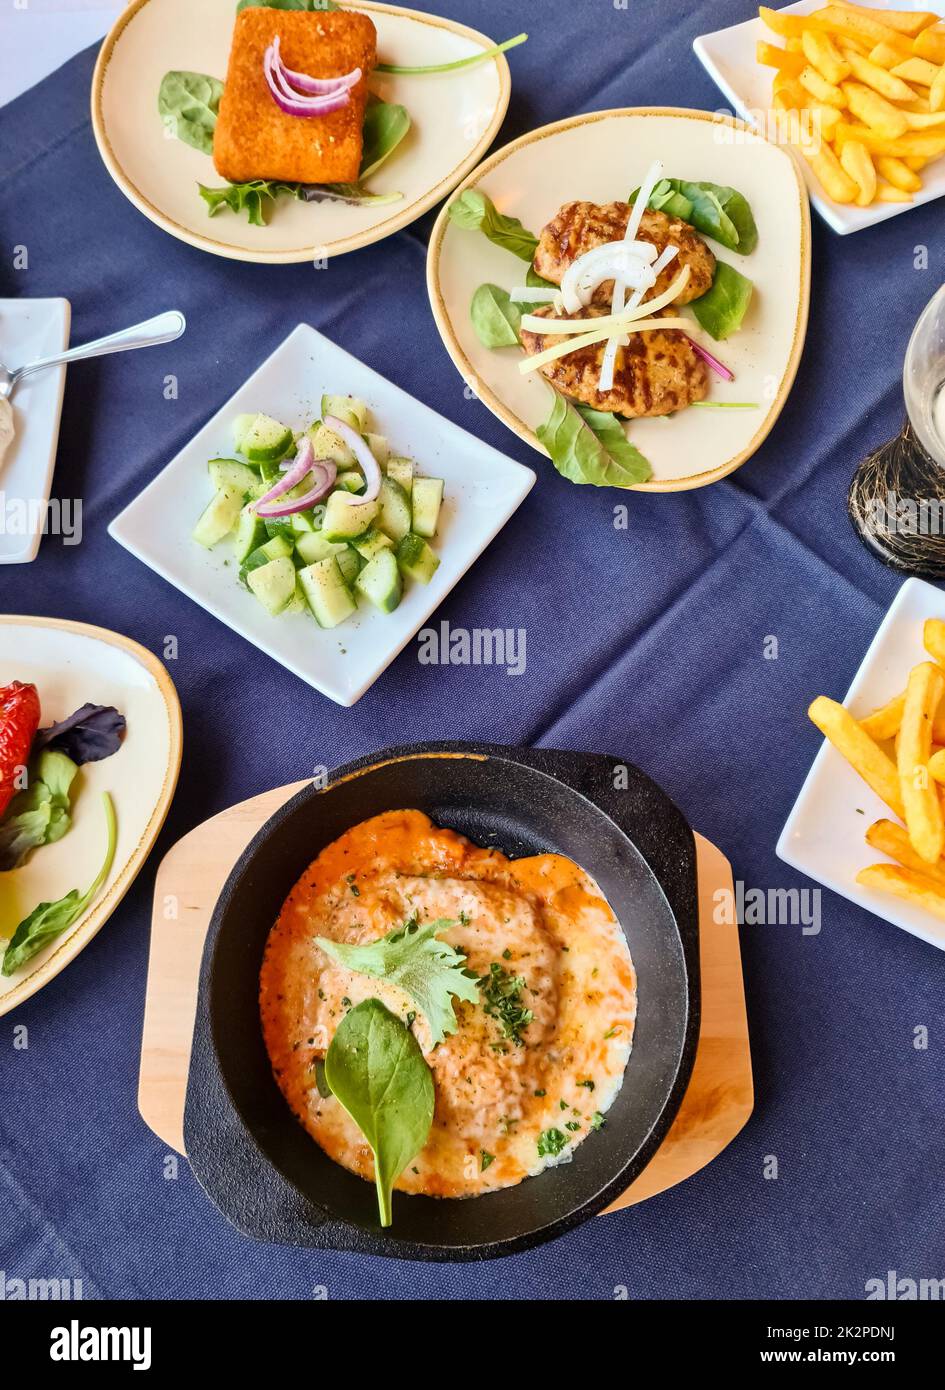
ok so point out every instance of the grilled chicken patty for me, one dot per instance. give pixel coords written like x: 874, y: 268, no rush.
x: 579, y: 227
x: 657, y: 374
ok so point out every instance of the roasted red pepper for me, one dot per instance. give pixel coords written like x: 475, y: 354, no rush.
x: 19, y: 720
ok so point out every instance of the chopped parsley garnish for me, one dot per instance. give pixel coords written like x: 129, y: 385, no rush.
x: 541, y: 1093
x: 484, y: 1160
x: 612, y: 1032
x: 572, y: 1125
x: 551, y: 1141
x: 562, y: 1105
x: 597, y: 1120
x: 506, y: 954
x: 588, y: 1084
x: 500, y: 992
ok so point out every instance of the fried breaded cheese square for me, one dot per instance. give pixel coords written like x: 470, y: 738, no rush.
x: 254, y: 139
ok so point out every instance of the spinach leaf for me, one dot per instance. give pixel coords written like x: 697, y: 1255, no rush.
x: 411, y: 957
x: 495, y: 318
x: 589, y: 446
x: 287, y: 5
x: 714, y: 209
x: 94, y: 732
x: 474, y: 212
x: 188, y: 103
x: 722, y: 308
x: 247, y: 197
x: 385, y: 126
x: 49, y: 920
x: 40, y: 814
x: 377, y: 1072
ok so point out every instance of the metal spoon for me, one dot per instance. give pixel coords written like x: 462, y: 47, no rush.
x: 162, y: 329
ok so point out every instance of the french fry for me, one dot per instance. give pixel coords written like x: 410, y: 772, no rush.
x: 889, y: 193
x: 790, y: 96
x: 829, y: 171
x: 824, y: 55
x: 908, y: 22
x: 865, y: 25
x: 786, y: 26
x: 915, y: 164
x: 848, y: 44
x: 771, y: 56
x: 919, y: 121
x: 923, y: 810
x: 930, y: 44
x: 894, y: 171
x: 855, y: 159
x: 879, y: 114
x: 887, y: 55
x: 822, y: 90
x: 889, y: 838
x: 904, y: 883
x: 864, y: 755
x: 824, y: 118
x: 881, y: 81
x: 794, y: 44
x: 919, y: 71
x: 937, y: 91
x: 928, y: 144
x: 884, y: 722
x: 937, y: 765
x: 933, y: 639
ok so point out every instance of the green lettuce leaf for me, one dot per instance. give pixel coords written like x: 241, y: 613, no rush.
x: 40, y: 814
x: 590, y: 446
x: 188, y: 103
x: 722, y: 308
x: 474, y: 212
x: 494, y: 317
x: 427, y: 970
x: 714, y: 209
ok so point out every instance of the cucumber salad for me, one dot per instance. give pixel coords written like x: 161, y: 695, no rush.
x: 321, y: 519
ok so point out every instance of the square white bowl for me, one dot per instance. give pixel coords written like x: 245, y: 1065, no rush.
x: 483, y: 489
x: 824, y: 834
x: 728, y: 55
x: 30, y: 328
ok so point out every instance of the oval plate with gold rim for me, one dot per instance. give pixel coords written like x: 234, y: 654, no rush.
x: 601, y: 157
x: 71, y: 664
x: 455, y: 118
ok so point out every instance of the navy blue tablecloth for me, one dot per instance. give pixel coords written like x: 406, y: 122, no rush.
x: 647, y: 643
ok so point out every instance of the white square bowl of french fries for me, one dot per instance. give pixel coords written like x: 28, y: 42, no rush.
x: 869, y: 822
x: 857, y: 90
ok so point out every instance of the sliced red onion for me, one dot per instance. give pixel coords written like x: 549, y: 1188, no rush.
x: 295, y: 470
x: 713, y: 362
x: 316, y: 86
x: 369, y: 464
x: 293, y: 104
x: 325, y: 473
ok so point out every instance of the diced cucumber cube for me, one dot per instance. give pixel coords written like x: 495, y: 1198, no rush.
x: 266, y: 440
x: 394, y: 509
x: 277, y: 548
x: 220, y: 517
x: 326, y: 592
x: 232, y: 473
x: 401, y: 471
x: 279, y: 526
x: 349, y: 562
x: 328, y: 445
x: 241, y: 427
x: 346, y: 520
x: 426, y: 501
x: 380, y: 581
x: 368, y: 545
x: 351, y: 481
x: 416, y: 559
x: 348, y: 409
x: 379, y: 447
x: 314, y: 547
x: 250, y: 535
x: 302, y: 523
x: 273, y: 584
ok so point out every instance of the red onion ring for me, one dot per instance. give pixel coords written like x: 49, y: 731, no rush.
x: 369, y: 464
x: 325, y: 472
x: 295, y: 105
x: 318, y: 86
x: 713, y: 362
x: 297, y: 469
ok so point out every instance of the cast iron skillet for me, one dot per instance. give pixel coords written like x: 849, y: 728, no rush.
x: 248, y: 1151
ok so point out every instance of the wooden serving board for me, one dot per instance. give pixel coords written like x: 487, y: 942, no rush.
x: 190, y: 878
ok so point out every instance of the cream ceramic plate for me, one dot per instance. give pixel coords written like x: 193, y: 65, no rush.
x: 72, y: 664
x: 455, y: 116
x: 602, y: 157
